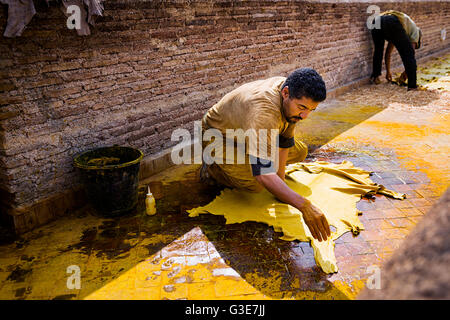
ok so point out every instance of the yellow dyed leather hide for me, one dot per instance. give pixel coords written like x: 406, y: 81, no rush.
x: 334, y: 188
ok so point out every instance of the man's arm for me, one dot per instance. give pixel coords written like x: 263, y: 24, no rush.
x: 313, y: 217
x: 282, y: 158
x: 403, y: 77
x: 286, y: 141
x: 387, y: 60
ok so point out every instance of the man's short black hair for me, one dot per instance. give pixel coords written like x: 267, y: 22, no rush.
x: 306, y: 82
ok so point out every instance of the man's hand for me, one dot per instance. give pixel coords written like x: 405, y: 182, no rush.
x: 389, y: 76
x: 316, y: 221
x: 313, y: 217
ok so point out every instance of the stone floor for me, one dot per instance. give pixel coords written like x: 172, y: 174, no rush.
x: 403, y: 137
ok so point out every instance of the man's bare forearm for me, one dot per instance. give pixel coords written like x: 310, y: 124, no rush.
x: 282, y: 157
x: 313, y: 217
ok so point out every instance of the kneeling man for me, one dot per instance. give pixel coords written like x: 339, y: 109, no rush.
x: 260, y: 109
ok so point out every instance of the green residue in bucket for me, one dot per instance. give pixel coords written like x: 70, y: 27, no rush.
x: 103, y: 161
x: 108, y: 158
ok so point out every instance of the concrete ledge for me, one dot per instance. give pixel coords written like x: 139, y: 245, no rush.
x: 26, y: 218
x: 153, y: 164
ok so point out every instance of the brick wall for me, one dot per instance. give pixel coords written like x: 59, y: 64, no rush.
x: 152, y: 66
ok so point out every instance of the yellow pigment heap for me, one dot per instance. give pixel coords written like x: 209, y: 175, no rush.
x: 334, y: 188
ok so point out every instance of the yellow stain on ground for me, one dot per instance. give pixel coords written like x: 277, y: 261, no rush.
x: 350, y: 290
x: 419, y: 135
x: 435, y: 75
x: 272, y: 284
x: 333, y: 188
x: 177, y: 273
x: 420, y: 145
x: 331, y: 119
x: 168, y: 274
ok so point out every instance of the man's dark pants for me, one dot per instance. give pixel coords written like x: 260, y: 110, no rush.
x: 392, y: 31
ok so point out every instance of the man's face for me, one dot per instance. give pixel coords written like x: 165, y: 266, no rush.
x: 297, y: 109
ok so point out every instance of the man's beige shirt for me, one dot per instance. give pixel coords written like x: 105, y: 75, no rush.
x: 408, y: 24
x: 255, y: 105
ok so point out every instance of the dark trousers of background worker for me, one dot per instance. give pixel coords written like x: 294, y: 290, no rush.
x: 392, y: 31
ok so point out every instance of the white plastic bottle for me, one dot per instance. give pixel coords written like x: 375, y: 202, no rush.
x: 150, y: 204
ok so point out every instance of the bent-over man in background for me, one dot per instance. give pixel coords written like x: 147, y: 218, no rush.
x: 402, y: 33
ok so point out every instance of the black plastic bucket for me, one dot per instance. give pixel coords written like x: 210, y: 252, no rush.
x: 110, y: 176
